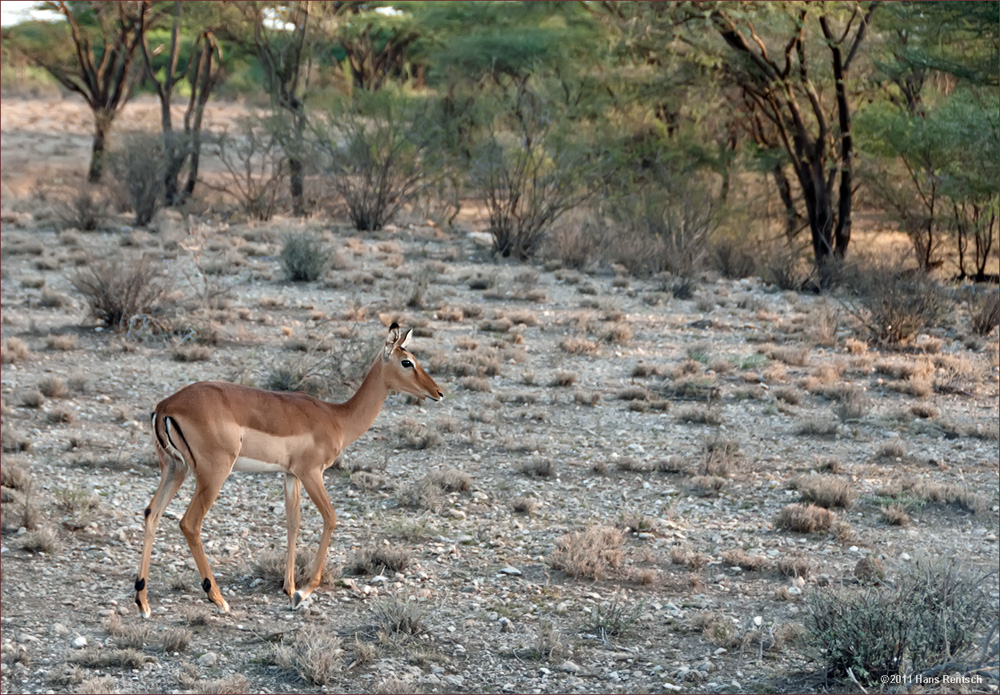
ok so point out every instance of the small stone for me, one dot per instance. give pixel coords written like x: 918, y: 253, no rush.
x: 208, y: 659
x: 511, y: 571
x: 79, y: 642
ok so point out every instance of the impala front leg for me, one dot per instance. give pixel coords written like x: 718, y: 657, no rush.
x: 312, y: 480
x: 293, y: 495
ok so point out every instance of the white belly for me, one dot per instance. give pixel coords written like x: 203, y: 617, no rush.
x: 245, y: 465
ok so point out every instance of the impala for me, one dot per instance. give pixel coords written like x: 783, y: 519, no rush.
x: 213, y: 428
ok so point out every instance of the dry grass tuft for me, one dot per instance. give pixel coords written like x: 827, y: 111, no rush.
x: 537, y: 467
x: 378, y: 559
x: 699, y: 415
x: 12, y: 473
x: 891, y: 450
x: 895, y: 515
x: 12, y: 441
x: 61, y: 343
x: 578, y: 346
x: 417, y: 435
x: 176, y: 639
x: 563, y: 379
x: 682, y: 555
x: 314, y: 654
x: 750, y: 563
x: 793, y: 565
x: 270, y: 565
x: 824, y: 490
x: 14, y: 350
x: 589, y: 554
x: 804, y: 519
x: 53, y: 387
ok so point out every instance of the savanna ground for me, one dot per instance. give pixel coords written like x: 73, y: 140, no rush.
x: 600, y: 503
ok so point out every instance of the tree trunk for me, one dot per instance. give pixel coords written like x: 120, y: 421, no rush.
x: 296, y: 167
x: 97, y: 149
x: 785, y: 191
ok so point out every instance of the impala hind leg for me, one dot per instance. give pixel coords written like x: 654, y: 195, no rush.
x: 205, y: 492
x: 312, y: 480
x: 293, y: 497
x: 172, y: 473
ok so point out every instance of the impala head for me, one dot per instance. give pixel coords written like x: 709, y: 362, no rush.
x: 402, y: 373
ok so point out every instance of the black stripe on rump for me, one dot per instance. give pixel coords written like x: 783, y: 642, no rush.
x: 173, y: 423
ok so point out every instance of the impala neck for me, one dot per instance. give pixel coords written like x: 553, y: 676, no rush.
x: 359, y: 412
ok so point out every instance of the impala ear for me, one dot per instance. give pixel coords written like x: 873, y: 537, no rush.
x: 392, y: 339
x: 405, y: 339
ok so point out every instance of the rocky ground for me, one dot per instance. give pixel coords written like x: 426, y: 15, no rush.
x: 595, y: 506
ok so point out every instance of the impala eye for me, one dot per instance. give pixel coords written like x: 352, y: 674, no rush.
x: 407, y: 364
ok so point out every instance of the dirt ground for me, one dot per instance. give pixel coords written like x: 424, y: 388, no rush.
x: 674, y: 430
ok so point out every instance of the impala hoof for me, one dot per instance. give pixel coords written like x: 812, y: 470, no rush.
x: 300, y: 600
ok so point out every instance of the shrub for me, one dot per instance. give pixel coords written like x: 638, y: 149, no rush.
x: 984, y: 310
x: 932, y: 616
x: 139, y: 166
x: 527, y: 171
x: 122, y: 287
x: 303, y: 257
x: 892, y: 304
x: 371, y: 154
x: 85, y: 211
x: 589, y: 553
x: 256, y: 169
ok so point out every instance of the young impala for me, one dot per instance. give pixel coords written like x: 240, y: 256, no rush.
x: 213, y: 428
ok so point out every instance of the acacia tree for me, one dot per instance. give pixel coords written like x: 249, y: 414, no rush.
x: 785, y: 89
x: 201, y: 69
x: 933, y: 141
x: 94, y: 60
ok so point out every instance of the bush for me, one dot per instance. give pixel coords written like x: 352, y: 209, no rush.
x: 304, y: 257
x: 984, y: 310
x: 528, y: 173
x: 256, y: 167
x: 932, y: 617
x: 372, y: 155
x: 121, y: 287
x: 85, y: 211
x: 139, y: 166
x: 892, y: 304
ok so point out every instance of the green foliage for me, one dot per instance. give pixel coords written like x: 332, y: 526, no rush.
x: 933, y: 615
